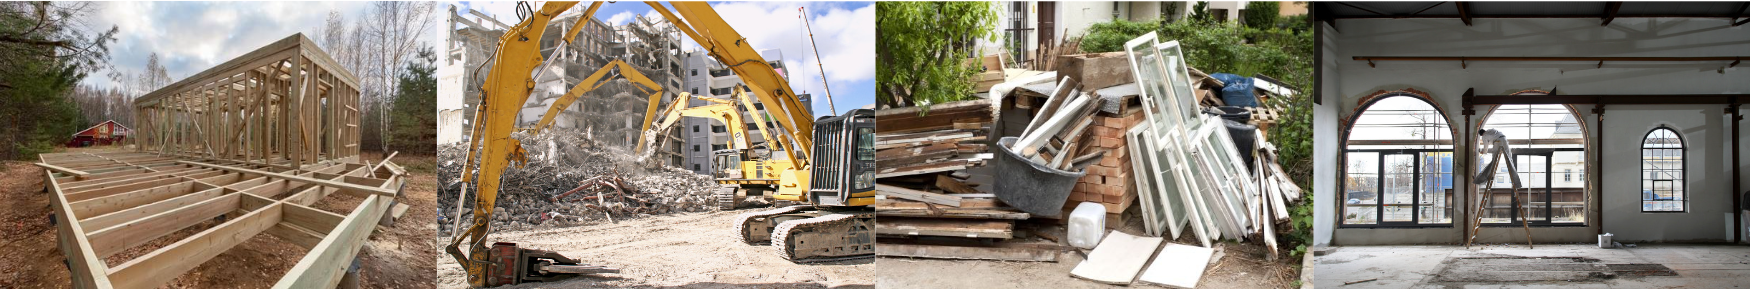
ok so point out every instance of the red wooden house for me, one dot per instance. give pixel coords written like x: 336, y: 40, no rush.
x: 106, y: 133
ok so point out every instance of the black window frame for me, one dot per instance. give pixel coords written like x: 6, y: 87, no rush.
x: 1379, y: 208
x: 1682, y: 181
x: 1548, y: 190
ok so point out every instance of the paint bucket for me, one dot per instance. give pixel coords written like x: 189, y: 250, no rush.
x: 1604, y: 241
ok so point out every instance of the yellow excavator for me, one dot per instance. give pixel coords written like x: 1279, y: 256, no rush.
x: 831, y: 159
x: 743, y: 169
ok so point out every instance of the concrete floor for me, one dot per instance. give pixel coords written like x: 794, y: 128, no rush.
x: 1697, y: 266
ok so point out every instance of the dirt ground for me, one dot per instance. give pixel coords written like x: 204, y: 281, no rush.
x: 1241, y: 265
x: 693, y: 250
x: 398, y: 256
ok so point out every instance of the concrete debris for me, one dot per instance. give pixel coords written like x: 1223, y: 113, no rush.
x: 572, y: 180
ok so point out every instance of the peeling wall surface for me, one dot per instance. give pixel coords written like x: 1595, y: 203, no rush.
x: 1705, y: 129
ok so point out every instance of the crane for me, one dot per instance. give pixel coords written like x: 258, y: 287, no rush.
x: 834, y: 176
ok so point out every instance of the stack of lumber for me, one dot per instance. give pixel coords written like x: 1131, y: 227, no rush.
x: 947, y: 137
x: 935, y: 220
x: 927, y: 200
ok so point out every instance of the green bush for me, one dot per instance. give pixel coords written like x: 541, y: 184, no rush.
x: 1261, y: 14
x: 1110, y: 36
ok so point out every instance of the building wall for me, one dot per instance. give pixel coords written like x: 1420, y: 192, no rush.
x: 1346, y: 82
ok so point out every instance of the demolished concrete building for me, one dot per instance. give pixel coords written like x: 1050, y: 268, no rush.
x: 709, y: 78
x: 611, y: 114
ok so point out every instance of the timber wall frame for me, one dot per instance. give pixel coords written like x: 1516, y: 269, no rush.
x: 284, y: 105
x: 250, y: 145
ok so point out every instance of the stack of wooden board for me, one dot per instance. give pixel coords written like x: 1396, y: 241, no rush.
x: 932, y: 222
x: 945, y: 138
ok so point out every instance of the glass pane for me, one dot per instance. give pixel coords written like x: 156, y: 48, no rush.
x: 1400, y: 183
x: 1180, y: 79
x: 1435, y: 190
x: 1361, y: 189
x: 1568, y: 198
x: 1534, y: 196
x: 1400, y: 122
x: 1662, y: 186
x: 1149, y: 72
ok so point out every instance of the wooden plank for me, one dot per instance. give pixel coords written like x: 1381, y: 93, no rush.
x: 1117, y: 259
x: 344, y: 187
x: 952, y: 185
x: 59, y: 169
x: 160, y: 266
x: 961, y: 228
x: 328, y: 260
x: 965, y: 203
x: 296, y: 235
x: 86, y: 269
x: 114, y: 239
x: 311, y: 218
x: 109, y: 191
x: 917, y: 195
x: 134, y: 212
x: 1000, y: 252
x: 952, y: 165
x: 118, y: 202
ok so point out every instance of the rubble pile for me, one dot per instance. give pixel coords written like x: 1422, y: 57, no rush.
x: 605, y: 183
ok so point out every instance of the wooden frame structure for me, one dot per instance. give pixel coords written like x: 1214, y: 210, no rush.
x: 249, y: 147
x: 284, y: 105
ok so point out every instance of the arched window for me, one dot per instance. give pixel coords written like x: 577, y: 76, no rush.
x: 1662, y: 186
x: 1547, y: 139
x: 1398, y: 164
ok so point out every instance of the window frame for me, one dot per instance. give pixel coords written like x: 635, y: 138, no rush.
x: 1548, y: 203
x: 1347, y: 132
x: 1682, y: 181
x: 1417, y: 155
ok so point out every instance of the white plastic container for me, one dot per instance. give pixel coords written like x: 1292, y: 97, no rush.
x: 1087, y: 224
x: 1604, y: 241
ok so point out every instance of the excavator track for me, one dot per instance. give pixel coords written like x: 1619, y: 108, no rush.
x: 834, y: 236
x: 725, y: 198
x: 746, y: 221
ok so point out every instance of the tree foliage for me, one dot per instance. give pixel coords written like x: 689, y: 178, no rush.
x: 414, y: 118
x: 922, y: 47
x: 45, y: 50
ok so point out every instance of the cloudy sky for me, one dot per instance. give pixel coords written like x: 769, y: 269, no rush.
x: 191, y: 37
x: 844, y: 31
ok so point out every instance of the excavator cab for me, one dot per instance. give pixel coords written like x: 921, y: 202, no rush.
x: 844, y: 160
x: 726, y: 164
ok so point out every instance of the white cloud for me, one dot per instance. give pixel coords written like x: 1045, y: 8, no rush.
x: 845, y: 38
x: 193, y: 36
x: 621, y: 19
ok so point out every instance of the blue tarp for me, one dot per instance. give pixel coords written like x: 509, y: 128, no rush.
x: 1238, y: 91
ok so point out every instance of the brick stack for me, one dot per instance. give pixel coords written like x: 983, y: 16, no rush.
x: 1108, y: 182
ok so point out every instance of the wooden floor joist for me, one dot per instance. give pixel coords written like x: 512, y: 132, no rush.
x: 260, y: 139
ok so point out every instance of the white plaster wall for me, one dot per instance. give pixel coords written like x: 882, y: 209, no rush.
x: 1325, y: 139
x: 1707, y: 174
x: 1078, y: 16
x: 1446, y: 81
